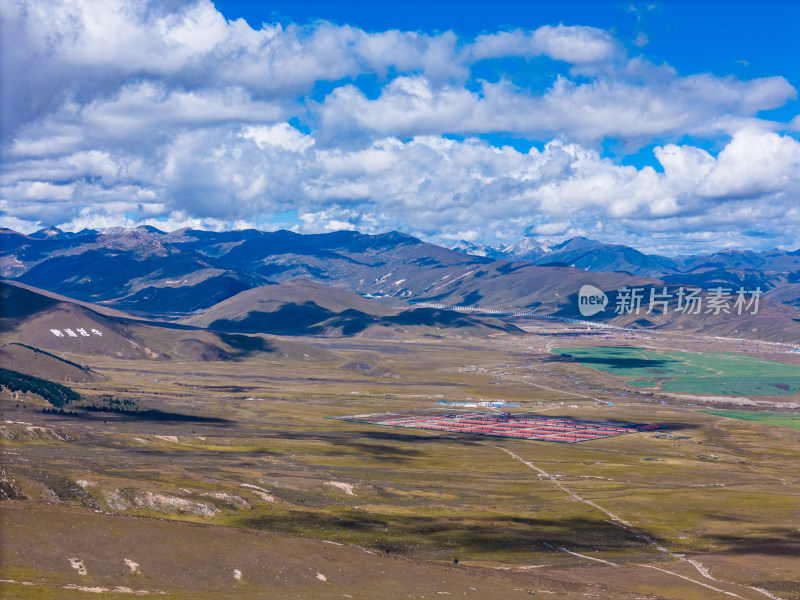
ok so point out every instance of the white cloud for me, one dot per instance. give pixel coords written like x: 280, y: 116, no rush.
x: 684, y: 163
x: 573, y: 44
x: 74, y: 49
x: 754, y: 163
x: 588, y: 112
x: 434, y: 187
x: 281, y: 135
x: 332, y: 219
x: 41, y: 190
x: 555, y: 228
x: 139, y: 114
x: 124, y: 112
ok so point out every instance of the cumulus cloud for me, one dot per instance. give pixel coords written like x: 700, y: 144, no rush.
x: 755, y: 163
x: 169, y: 114
x: 572, y: 44
x: 588, y: 112
x: 281, y: 135
x: 437, y: 187
x: 81, y: 49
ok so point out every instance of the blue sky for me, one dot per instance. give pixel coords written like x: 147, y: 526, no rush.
x: 741, y: 38
x: 668, y: 126
x: 692, y: 36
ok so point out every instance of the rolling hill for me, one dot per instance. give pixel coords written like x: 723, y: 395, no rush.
x: 63, y: 327
x: 302, y: 307
x: 34, y: 361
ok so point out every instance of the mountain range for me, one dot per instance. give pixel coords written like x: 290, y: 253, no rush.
x: 776, y: 272
x: 348, y: 283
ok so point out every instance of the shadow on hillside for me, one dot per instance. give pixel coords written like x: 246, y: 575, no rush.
x: 183, y: 299
x: 398, y: 533
x: 246, y: 345
x: 381, y: 434
x: 780, y: 544
x: 18, y: 304
x: 432, y: 317
x: 290, y: 319
x: 148, y: 414
x: 673, y: 426
x: 309, y: 318
x: 376, y: 451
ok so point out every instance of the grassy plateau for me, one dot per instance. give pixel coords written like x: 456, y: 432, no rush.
x: 224, y: 479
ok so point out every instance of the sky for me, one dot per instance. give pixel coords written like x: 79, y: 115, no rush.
x: 673, y: 127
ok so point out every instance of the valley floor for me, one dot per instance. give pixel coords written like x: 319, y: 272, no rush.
x: 230, y: 482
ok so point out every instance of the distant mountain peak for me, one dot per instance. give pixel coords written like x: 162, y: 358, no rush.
x: 394, y: 236
x: 54, y: 233
x: 577, y: 243
x: 527, y: 247
x: 476, y: 249
x: 151, y: 229
x: 140, y: 240
x: 141, y: 232
x: 47, y: 232
x: 398, y: 234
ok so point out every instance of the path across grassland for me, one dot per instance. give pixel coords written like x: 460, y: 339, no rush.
x: 617, y: 520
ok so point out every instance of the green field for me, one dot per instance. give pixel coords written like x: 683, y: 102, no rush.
x: 768, y: 418
x: 714, y: 373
